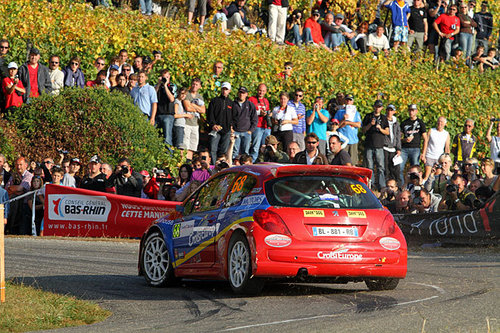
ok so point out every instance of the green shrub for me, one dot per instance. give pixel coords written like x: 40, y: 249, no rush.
x: 87, y: 122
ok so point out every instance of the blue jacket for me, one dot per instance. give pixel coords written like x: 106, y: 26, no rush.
x: 399, y: 14
x: 4, y: 196
x: 72, y: 79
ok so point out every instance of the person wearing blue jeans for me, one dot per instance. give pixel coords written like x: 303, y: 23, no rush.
x: 245, y: 121
x: 146, y: 7
x: 262, y: 131
x: 376, y: 128
x: 166, y: 92
x: 413, y: 131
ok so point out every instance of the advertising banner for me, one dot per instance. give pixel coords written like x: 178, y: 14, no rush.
x: 82, y: 213
x: 473, y: 227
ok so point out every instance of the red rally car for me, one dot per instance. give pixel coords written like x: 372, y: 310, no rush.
x: 252, y: 223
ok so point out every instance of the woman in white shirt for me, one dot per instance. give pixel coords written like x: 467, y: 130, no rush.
x: 438, y: 142
x: 284, y: 117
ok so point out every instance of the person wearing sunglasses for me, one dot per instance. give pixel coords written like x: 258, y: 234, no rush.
x: 73, y: 75
x: 311, y: 155
x: 447, y: 26
x: 56, y: 75
x: 464, y: 144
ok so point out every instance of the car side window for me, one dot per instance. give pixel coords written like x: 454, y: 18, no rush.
x: 210, y: 196
x: 240, y: 189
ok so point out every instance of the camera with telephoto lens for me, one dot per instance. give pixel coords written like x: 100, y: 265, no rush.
x: 438, y: 166
x: 451, y: 188
x: 414, y: 176
x: 124, y: 170
x: 269, y: 121
x: 417, y: 201
x: 494, y: 120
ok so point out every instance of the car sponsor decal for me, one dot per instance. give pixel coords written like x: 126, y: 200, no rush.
x: 358, y: 214
x: 389, y: 243
x: 202, y: 232
x: 256, y: 190
x: 339, y: 254
x: 222, y: 213
x: 212, y: 240
x: 182, y: 229
x: 335, y: 213
x: 314, y: 213
x: 252, y: 200
x: 277, y: 240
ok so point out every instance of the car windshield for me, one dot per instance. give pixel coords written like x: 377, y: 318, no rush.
x: 320, y: 191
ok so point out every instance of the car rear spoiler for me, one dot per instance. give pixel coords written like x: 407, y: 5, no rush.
x: 299, y: 169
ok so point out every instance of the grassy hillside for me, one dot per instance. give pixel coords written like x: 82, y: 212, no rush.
x: 57, y: 28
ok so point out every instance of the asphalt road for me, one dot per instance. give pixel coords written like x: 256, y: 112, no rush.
x: 445, y: 290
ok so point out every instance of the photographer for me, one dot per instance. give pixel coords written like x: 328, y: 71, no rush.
x: 470, y: 169
x: 458, y: 197
x: 440, y: 175
x: 125, y: 180
x: 494, y: 142
x: 414, y: 182
x: 100, y: 80
x: 166, y: 92
x: 270, y: 152
x: 402, y: 203
x: 389, y: 193
x: 263, y: 129
x: 426, y: 202
x: 294, y: 28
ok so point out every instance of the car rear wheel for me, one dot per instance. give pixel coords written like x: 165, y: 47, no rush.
x: 382, y: 284
x: 239, y: 267
x: 156, y: 262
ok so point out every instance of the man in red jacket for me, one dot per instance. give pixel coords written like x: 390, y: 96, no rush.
x: 312, y: 31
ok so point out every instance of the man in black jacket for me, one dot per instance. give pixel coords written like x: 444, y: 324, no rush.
x: 244, y: 122
x: 220, y: 117
x: 237, y: 17
x: 41, y: 76
x: 125, y: 180
x: 484, y: 20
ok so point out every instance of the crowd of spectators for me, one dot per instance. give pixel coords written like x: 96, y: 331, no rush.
x: 249, y: 130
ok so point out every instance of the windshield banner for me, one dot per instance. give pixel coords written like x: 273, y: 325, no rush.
x: 76, y: 212
x: 480, y: 226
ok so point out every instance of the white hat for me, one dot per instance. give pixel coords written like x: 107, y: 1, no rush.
x: 226, y: 85
x: 12, y: 65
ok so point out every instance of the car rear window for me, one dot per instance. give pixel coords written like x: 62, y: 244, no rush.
x: 320, y: 191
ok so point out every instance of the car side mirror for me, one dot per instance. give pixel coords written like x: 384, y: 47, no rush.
x: 179, y: 208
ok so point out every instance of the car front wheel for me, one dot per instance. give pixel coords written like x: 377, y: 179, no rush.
x: 240, y: 267
x: 156, y: 262
x: 382, y: 284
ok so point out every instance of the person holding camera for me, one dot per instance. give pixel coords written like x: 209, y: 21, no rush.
x: 100, y: 81
x: 165, y: 114
x: 402, y: 203
x: 316, y: 120
x: 389, y: 193
x: 458, y: 196
x: 125, y: 180
x: 13, y: 89
x: 440, y: 175
x: 414, y: 182
x: 294, y: 28
x: 494, y: 143
x: 426, y: 202
x: 264, y: 124
x: 470, y: 169
x: 271, y: 153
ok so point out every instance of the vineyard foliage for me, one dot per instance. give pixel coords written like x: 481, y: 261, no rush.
x: 69, y: 28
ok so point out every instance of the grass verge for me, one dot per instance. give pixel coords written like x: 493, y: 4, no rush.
x: 30, y: 309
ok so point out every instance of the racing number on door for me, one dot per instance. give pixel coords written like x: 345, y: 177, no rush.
x: 357, y: 188
x: 238, y: 184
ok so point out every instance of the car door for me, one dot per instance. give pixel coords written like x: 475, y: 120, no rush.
x: 194, y: 235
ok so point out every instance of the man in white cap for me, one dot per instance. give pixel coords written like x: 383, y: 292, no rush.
x: 94, y: 180
x: 12, y: 89
x: 219, y: 117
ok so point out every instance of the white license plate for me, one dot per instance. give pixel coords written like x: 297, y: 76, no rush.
x: 335, y: 231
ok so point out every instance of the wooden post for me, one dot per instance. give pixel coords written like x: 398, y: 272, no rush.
x: 2, y: 255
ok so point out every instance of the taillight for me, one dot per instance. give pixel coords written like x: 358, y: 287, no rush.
x: 389, y: 226
x: 271, y: 222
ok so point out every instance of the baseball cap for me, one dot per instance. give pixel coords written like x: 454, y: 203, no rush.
x: 226, y: 85
x: 378, y: 103
x: 114, y: 67
x: 335, y: 121
x: 147, y: 60
x: 412, y: 107
x: 12, y: 65
x: 156, y: 52
x: 75, y: 160
x: 243, y: 90
x: 95, y: 159
x: 339, y: 16
x: 315, y: 12
x: 391, y: 106
x: 34, y: 50
x: 271, y: 140
x: 349, y: 96
x: 144, y: 173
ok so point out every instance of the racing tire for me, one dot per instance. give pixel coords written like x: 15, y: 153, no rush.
x: 239, y: 267
x: 382, y: 284
x: 156, y: 261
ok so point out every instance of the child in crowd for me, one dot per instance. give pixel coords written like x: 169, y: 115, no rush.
x: 36, y: 202
x: 180, y: 119
x: 57, y: 176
